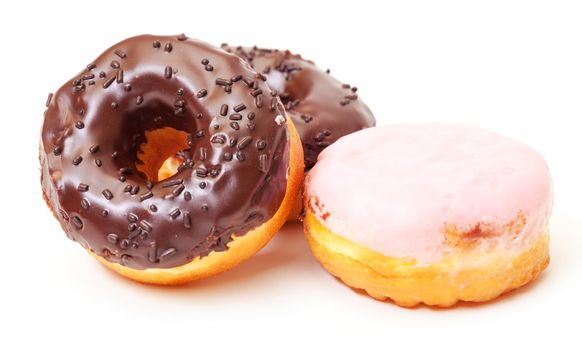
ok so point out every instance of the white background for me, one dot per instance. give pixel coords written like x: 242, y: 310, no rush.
x: 513, y: 67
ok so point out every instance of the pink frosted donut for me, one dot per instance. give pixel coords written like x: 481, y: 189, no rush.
x: 431, y: 213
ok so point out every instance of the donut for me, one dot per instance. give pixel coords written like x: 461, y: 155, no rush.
x: 322, y: 108
x: 107, y: 135
x: 430, y: 213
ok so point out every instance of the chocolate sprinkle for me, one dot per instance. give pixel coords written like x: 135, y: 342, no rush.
x: 201, y: 93
x: 239, y: 107
x: 177, y: 190
x: 172, y: 183
x: 48, y: 99
x: 244, y: 142
x: 77, y: 222
x: 259, y: 101
x: 167, y: 253
x: 168, y: 72
x: 280, y: 120
x: 222, y: 82
x: 218, y: 138
x: 224, y: 109
x: 175, y: 213
x: 120, y: 54
x: 187, y: 221
x: 124, y: 244
x: 112, y: 238
x: 131, y: 217
x: 107, y: 194
x: 153, y: 254
x: 273, y: 103
x: 145, y: 225
x: 145, y: 196
x: 119, y: 78
x: 263, y: 163
x: 261, y: 144
x: 134, y: 190
x: 109, y: 81
x: 94, y: 149
x: 248, y: 82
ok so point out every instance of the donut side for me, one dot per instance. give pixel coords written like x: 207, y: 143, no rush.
x: 443, y: 283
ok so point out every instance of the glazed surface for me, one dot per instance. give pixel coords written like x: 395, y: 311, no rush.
x: 323, y: 109
x: 235, y: 171
x: 422, y: 191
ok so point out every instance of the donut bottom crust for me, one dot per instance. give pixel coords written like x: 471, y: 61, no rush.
x: 240, y: 248
x: 440, y: 284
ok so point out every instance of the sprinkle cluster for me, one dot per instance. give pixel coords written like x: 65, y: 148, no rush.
x: 314, y: 116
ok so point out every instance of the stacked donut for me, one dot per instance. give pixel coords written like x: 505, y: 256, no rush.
x: 171, y: 160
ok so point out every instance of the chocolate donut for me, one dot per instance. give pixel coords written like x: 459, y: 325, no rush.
x: 108, y: 130
x: 322, y: 108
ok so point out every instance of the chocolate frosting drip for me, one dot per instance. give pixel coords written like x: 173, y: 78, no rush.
x: 322, y: 108
x: 235, y: 175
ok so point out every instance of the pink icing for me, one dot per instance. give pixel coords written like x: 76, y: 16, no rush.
x: 394, y: 188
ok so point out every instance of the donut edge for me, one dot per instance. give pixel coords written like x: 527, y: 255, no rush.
x: 383, y: 277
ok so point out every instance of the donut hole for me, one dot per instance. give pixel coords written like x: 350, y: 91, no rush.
x: 159, y: 156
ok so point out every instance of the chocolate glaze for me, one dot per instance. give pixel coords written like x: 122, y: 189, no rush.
x: 235, y: 177
x: 322, y: 108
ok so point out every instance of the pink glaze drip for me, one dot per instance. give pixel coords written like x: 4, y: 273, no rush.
x: 393, y: 189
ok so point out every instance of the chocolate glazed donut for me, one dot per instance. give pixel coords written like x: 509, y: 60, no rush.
x: 322, y: 108
x: 99, y: 155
